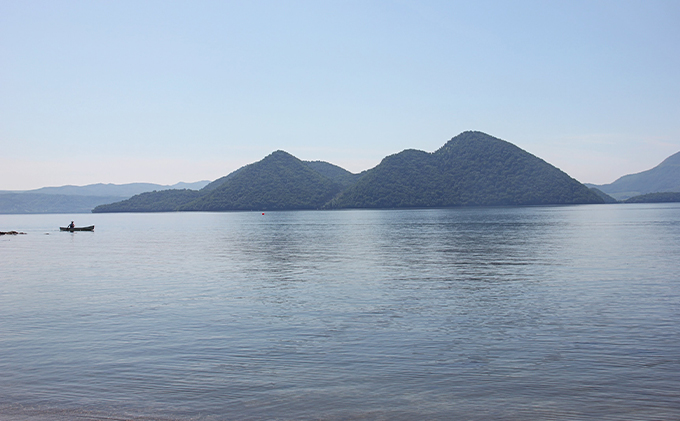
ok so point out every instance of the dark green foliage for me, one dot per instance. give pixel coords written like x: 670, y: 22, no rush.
x: 155, y: 201
x: 406, y: 179
x: 337, y: 174
x: 656, y: 198
x: 472, y: 169
x: 215, y: 184
x: 279, y: 181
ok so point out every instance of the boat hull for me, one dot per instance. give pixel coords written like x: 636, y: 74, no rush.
x: 90, y: 228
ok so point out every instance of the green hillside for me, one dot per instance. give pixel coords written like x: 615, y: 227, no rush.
x: 472, y: 169
x: 215, y: 184
x: 279, y: 181
x: 336, y: 174
x: 665, y: 177
x: 155, y: 201
x: 406, y: 179
x: 662, y: 197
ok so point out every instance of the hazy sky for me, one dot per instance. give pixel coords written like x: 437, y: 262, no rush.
x: 168, y: 91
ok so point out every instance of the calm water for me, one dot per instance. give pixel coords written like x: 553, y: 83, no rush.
x: 473, y: 314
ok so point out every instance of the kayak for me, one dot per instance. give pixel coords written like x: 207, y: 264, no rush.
x: 90, y: 228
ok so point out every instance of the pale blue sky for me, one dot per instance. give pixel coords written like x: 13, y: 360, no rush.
x: 167, y: 91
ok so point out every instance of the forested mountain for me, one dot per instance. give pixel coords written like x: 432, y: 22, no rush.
x: 472, y: 169
x: 665, y: 177
x: 279, y: 181
x: 337, y: 174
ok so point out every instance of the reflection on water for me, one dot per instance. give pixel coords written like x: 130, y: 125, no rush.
x: 496, y: 313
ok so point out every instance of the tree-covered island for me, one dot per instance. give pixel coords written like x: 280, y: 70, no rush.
x: 472, y: 169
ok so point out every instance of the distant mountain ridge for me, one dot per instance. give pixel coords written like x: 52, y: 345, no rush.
x: 472, y: 169
x: 32, y: 203
x: 77, y: 199
x: 665, y: 177
x: 121, y: 190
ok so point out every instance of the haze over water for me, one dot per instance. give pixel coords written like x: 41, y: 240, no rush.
x: 565, y: 313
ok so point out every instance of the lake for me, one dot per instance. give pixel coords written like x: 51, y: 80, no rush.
x: 551, y: 313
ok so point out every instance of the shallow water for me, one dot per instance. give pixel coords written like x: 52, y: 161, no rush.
x: 485, y: 313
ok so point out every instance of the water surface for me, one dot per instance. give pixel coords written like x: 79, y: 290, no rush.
x: 485, y: 313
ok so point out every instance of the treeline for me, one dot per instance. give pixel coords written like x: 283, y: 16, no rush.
x: 663, y: 197
x: 155, y: 201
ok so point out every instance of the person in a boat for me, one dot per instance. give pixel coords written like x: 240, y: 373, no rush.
x: 71, y: 225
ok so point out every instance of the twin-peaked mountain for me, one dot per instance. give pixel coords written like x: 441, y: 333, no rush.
x: 472, y: 169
